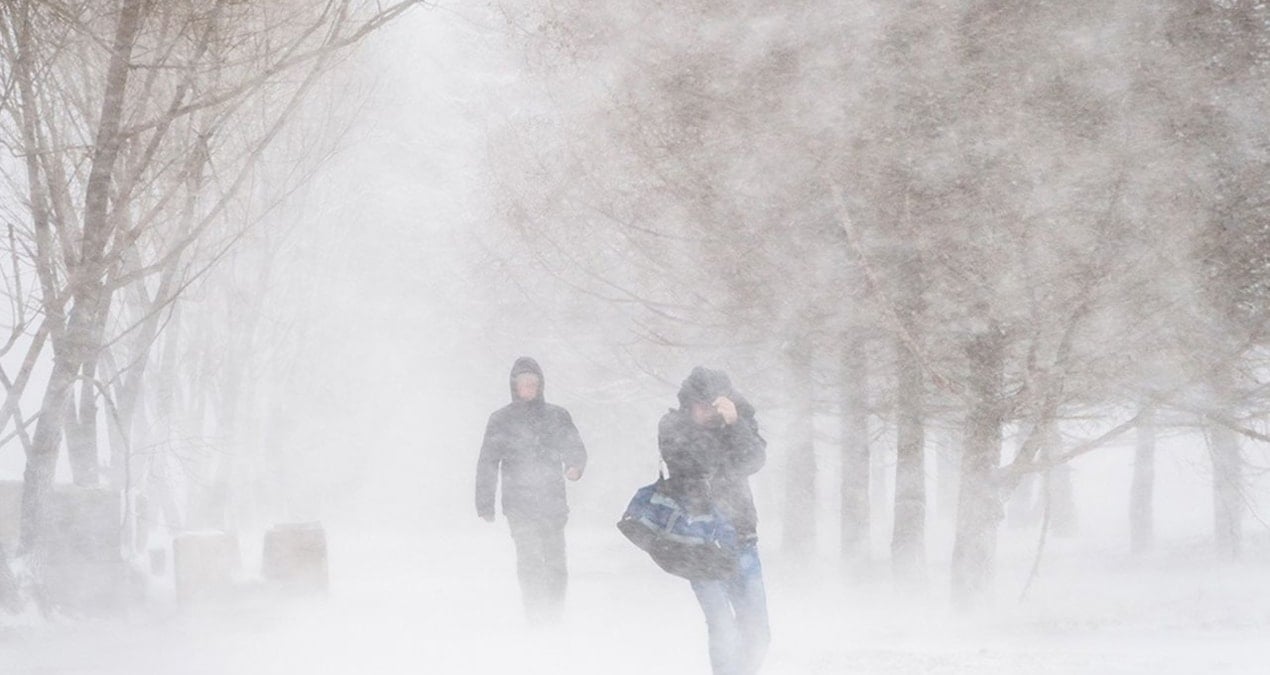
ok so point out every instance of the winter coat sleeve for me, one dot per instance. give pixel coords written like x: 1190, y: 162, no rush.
x: 487, y: 470
x: 746, y: 449
x: 572, y: 450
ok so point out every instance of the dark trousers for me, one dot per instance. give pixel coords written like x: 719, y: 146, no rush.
x: 541, y: 568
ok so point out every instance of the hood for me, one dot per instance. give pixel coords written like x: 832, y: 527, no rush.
x: 526, y: 364
x: 707, y: 384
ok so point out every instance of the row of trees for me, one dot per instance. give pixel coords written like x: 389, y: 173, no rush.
x: 145, y: 142
x: 977, y: 215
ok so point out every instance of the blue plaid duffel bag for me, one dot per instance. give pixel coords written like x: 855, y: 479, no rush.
x: 692, y: 546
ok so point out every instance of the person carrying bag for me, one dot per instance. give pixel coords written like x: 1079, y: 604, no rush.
x: 700, y: 522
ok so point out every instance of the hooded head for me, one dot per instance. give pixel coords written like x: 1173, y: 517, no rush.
x: 527, y: 366
x: 704, y: 385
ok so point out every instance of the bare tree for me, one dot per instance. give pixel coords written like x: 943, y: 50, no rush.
x: 137, y: 147
x: 991, y: 215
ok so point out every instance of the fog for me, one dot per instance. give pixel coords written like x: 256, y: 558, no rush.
x: 840, y: 209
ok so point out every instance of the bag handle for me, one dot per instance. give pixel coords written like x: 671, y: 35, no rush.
x: 663, y: 472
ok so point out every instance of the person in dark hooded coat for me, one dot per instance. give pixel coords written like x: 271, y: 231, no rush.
x: 534, y: 446
x: 711, y: 446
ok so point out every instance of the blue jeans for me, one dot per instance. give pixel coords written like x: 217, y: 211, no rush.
x: 736, y: 616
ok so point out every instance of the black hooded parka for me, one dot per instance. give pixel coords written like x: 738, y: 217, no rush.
x: 712, y: 465
x: 531, y: 444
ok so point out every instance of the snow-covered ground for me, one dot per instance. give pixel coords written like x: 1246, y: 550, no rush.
x: 402, y: 603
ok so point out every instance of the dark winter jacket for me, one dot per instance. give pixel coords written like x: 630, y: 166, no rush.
x: 530, y: 443
x: 713, y: 465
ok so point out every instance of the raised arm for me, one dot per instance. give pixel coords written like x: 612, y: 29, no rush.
x: 747, y: 450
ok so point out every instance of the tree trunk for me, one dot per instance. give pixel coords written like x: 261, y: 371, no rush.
x: 855, y: 456
x: 212, y: 510
x: 947, y: 457
x: 9, y: 600
x: 194, y: 426
x: 41, y: 453
x: 1142, y: 492
x: 85, y: 281
x: 1059, y: 493
x: 118, y: 428
x: 881, y: 471
x: 979, y: 511
x: 41, y: 460
x: 908, y: 538
x: 1228, y: 497
x: 1062, y: 499
x: 1021, y: 507
x: 81, y: 433
x: 41, y: 463
x: 166, y: 403
x: 82, y: 448
x: 799, y: 532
